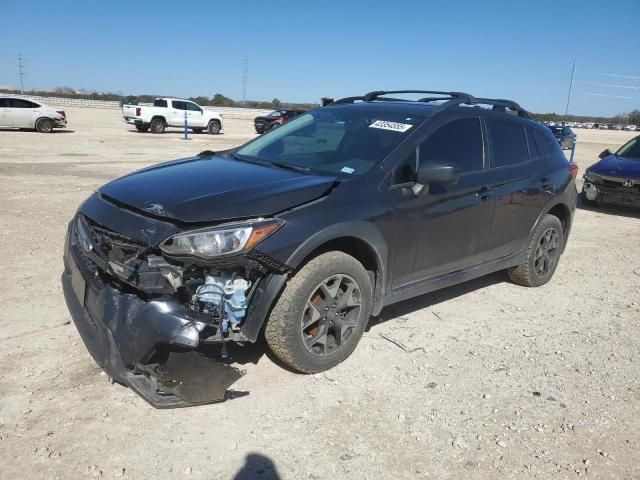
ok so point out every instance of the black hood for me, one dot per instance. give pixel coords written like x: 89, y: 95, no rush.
x: 215, y: 188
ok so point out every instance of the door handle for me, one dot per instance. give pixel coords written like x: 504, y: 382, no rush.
x: 484, y: 193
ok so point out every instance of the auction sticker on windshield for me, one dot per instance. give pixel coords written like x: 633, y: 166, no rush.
x: 393, y: 126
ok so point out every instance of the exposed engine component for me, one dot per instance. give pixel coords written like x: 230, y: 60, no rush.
x: 235, y: 301
x: 224, y: 296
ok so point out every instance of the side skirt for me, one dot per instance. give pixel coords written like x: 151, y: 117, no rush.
x: 446, y: 280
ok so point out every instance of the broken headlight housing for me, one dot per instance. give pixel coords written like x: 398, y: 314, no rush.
x: 592, y: 177
x: 221, y: 240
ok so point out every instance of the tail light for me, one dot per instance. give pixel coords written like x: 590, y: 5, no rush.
x: 573, y: 170
x: 138, y: 110
x: 61, y: 112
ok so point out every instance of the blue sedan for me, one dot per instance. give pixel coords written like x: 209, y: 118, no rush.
x: 615, y: 178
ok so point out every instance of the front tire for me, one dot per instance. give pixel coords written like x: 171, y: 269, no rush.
x: 44, y: 125
x: 157, y: 125
x: 321, y: 314
x: 214, y: 127
x: 543, y: 254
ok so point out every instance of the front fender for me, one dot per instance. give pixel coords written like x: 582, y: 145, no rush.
x: 359, y: 230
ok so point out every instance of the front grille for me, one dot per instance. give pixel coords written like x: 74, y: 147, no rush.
x: 618, y: 185
x: 116, y: 246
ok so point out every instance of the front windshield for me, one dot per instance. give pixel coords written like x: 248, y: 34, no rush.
x: 630, y: 149
x: 337, y: 139
x: 275, y: 113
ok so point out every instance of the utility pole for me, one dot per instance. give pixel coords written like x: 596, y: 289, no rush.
x: 245, y: 79
x: 21, y: 70
x: 573, y: 71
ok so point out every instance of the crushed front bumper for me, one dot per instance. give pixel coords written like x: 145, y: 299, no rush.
x: 612, y: 194
x: 122, y: 333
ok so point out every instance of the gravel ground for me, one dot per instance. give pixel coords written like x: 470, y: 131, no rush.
x: 495, y: 380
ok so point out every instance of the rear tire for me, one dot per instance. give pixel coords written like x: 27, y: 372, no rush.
x: 214, y: 127
x: 157, y: 125
x: 142, y: 128
x: 321, y: 314
x: 44, y: 125
x: 543, y: 254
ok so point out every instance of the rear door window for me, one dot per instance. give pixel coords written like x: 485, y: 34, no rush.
x: 508, y: 142
x: 179, y: 105
x: 160, y: 103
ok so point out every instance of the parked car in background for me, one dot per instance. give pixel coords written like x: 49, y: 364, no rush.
x: 17, y: 112
x: 303, y: 233
x: 603, y: 126
x: 274, y: 119
x: 587, y: 125
x: 170, y: 112
x: 630, y: 128
x: 615, y: 178
x: 564, y: 135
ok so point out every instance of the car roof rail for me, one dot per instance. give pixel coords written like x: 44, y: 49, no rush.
x: 500, y: 104
x: 451, y: 99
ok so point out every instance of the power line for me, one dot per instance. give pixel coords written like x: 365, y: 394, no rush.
x: 616, y: 75
x: 245, y: 78
x: 611, y: 86
x: 21, y: 71
x: 594, y: 94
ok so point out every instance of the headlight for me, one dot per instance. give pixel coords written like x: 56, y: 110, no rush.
x: 223, y: 240
x: 592, y: 177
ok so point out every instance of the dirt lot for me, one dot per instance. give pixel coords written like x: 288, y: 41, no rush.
x: 501, y: 382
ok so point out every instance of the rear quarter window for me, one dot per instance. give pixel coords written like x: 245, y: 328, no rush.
x: 544, y: 143
x: 508, y: 143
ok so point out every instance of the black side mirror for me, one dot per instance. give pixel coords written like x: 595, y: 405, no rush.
x: 434, y: 173
x: 438, y: 173
x: 605, y: 153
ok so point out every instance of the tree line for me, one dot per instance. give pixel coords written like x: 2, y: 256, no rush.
x: 219, y: 100
x: 628, y: 118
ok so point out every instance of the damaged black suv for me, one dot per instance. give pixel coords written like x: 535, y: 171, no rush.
x: 304, y: 233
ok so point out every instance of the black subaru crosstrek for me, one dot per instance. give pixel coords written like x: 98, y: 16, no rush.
x: 307, y: 231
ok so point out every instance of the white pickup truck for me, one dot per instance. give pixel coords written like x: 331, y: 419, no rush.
x: 170, y: 112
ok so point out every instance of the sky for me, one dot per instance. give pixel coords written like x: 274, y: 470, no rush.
x: 300, y: 51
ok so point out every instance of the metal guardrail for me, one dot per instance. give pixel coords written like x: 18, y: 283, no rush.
x: 85, y: 102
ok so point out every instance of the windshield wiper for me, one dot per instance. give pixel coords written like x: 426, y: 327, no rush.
x: 288, y: 166
x: 266, y: 163
x: 250, y: 160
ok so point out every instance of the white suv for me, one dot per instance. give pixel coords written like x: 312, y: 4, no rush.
x: 16, y: 112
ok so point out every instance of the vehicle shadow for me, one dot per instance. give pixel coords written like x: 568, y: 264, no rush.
x: 434, y: 298
x: 618, y: 210
x: 28, y: 130
x: 252, y: 352
x: 175, y: 133
x: 257, y: 466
